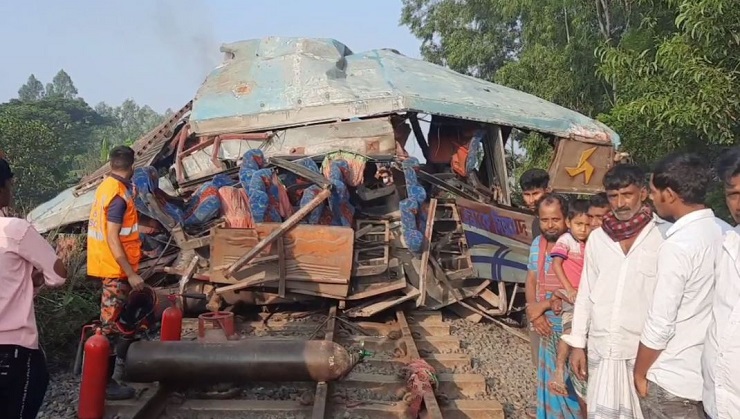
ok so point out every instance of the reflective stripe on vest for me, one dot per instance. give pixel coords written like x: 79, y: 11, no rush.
x: 129, y: 230
x: 97, y: 235
x: 100, y: 260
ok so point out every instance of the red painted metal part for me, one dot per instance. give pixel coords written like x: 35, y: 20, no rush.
x: 86, y: 330
x: 216, y: 327
x: 94, y: 377
x: 171, y: 324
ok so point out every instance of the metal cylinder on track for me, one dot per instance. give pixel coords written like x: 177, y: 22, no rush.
x: 249, y: 360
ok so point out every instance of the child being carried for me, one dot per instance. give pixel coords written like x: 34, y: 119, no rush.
x: 567, y: 258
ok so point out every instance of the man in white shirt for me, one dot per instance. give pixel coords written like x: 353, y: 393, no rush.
x: 614, y: 296
x: 721, y: 357
x: 667, y: 372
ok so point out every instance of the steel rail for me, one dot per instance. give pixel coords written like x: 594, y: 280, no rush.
x: 322, y: 389
x: 431, y: 407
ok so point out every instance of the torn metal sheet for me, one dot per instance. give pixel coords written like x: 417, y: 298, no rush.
x: 370, y: 137
x: 279, y: 82
x: 68, y: 209
x: 498, y: 239
x: 64, y: 209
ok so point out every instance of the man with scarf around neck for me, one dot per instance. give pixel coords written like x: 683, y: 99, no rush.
x: 668, y: 373
x: 616, y: 289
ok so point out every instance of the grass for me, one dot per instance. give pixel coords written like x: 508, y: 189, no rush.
x: 61, y: 312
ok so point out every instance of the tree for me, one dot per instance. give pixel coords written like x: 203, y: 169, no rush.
x: 129, y: 121
x: 678, y: 78
x: 72, y: 121
x: 34, y: 151
x: 474, y: 37
x: 32, y: 90
x: 61, y: 86
x: 125, y: 124
x: 80, y: 134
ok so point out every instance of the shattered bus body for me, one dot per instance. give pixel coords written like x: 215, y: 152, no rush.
x: 287, y: 178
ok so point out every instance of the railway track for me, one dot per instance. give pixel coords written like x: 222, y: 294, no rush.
x: 375, y: 388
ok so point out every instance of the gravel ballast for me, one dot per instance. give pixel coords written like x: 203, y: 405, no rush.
x: 61, y: 397
x: 503, y: 359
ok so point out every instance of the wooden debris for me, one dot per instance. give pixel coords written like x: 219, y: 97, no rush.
x: 425, y: 254
x: 285, y: 226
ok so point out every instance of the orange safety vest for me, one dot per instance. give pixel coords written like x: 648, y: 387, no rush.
x: 100, y: 260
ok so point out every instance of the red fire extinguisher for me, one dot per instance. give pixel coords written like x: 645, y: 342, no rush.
x: 94, y: 377
x: 171, y: 322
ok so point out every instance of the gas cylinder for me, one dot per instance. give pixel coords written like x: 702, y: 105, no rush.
x: 94, y: 377
x: 171, y: 323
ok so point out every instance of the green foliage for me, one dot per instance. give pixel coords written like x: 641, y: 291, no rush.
x: 474, y: 37
x: 72, y: 123
x: 61, y: 86
x: 77, y: 136
x: 681, y: 88
x: 33, y: 150
x: 32, y: 90
x: 128, y: 122
x: 60, y: 313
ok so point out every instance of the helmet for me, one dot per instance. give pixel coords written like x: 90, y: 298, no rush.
x: 138, y: 311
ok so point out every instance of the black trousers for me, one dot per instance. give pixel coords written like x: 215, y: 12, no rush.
x: 23, y: 382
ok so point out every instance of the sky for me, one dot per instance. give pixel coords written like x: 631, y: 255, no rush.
x: 158, y: 52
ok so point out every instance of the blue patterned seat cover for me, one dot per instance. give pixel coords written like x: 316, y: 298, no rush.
x: 413, y: 217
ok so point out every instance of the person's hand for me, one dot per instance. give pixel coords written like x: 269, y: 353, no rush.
x: 535, y: 310
x: 578, y: 363
x: 556, y: 305
x: 542, y: 326
x: 37, y: 278
x: 64, y: 250
x: 641, y: 385
x: 136, y: 282
x: 571, y: 294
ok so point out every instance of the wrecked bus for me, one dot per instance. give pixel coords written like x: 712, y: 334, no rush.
x: 288, y: 178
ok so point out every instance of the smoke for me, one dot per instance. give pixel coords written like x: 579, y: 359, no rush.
x: 186, y: 28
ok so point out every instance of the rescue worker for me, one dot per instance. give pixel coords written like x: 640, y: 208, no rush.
x: 113, y: 253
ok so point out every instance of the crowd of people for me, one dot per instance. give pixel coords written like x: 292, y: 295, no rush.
x: 633, y: 296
